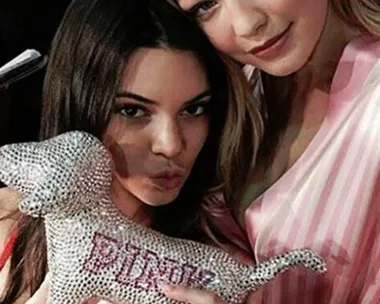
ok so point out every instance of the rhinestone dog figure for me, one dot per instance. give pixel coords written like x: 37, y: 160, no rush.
x: 95, y: 251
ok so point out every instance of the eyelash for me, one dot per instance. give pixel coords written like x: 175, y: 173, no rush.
x: 200, y: 105
x: 195, y: 10
x: 140, y: 112
x: 123, y: 111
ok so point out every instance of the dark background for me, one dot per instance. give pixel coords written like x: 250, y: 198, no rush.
x: 25, y: 24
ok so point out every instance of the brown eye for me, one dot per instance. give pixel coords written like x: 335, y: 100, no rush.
x: 202, y: 8
x: 132, y: 111
x: 195, y: 110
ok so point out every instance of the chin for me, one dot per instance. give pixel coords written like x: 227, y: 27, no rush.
x: 279, y: 71
x: 291, y: 62
x: 285, y: 66
x: 283, y: 70
x: 161, y: 199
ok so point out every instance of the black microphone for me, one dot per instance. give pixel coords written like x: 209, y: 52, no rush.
x: 25, y: 64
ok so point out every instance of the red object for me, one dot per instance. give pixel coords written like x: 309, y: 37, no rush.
x: 8, y: 249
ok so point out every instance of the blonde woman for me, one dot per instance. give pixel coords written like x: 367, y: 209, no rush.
x: 316, y: 182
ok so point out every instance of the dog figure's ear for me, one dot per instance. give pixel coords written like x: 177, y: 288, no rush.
x: 58, y: 174
x: 46, y: 200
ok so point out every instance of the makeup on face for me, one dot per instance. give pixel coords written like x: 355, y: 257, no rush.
x: 159, y: 129
x: 274, y: 46
x: 276, y: 36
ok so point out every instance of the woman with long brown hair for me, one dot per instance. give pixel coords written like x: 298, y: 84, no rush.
x: 315, y: 68
x: 148, y: 83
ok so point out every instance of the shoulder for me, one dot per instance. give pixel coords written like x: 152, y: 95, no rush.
x: 8, y: 201
x: 358, y: 73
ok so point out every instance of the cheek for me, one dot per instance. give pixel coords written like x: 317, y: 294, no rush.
x: 129, y: 151
x: 288, y: 10
x: 134, y: 156
x: 222, y: 37
x: 312, y: 18
x: 313, y: 13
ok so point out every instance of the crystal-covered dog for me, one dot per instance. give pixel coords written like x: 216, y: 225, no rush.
x: 95, y: 251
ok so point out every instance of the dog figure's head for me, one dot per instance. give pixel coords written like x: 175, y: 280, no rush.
x: 57, y: 175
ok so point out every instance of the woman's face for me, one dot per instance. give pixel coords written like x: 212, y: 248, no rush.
x: 277, y: 36
x: 159, y: 125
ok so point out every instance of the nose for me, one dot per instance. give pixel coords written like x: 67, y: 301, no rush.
x: 246, y: 19
x: 168, y: 139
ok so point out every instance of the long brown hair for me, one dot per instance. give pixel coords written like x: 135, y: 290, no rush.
x: 89, y: 53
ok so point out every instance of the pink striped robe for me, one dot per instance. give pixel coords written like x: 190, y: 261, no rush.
x: 329, y: 200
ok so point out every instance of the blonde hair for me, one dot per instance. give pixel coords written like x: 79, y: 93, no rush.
x: 362, y: 14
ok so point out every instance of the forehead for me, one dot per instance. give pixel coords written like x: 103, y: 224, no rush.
x: 161, y: 74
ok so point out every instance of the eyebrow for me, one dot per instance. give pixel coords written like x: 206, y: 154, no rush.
x: 125, y: 94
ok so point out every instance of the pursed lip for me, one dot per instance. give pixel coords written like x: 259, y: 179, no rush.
x: 267, y: 44
x: 168, y: 179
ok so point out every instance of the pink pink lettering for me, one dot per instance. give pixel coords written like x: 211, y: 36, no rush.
x: 191, y: 276
x: 147, y: 280
x: 142, y: 268
x: 104, y: 253
x: 171, y: 271
x: 126, y: 276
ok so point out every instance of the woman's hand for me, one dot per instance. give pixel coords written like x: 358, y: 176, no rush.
x: 175, y: 292
x: 191, y: 295
x: 196, y: 296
